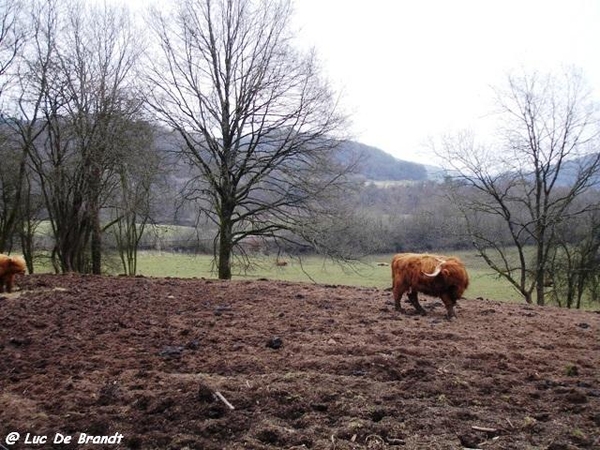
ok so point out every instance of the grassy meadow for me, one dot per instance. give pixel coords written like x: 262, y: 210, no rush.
x: 366, y: 273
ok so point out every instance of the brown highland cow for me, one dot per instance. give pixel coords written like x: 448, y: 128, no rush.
x: 439, y: 276
x: 10, y: 266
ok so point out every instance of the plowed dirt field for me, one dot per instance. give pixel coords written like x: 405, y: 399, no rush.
x: 203, y: 364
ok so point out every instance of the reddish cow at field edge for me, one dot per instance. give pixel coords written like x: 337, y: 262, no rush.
x: 436, y: 275
x: 9, y: 267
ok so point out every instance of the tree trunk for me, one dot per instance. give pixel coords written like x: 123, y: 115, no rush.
x: 94, y: 211
x: 539, y: 288
x: 541, y: 259
x: 225, y: 237
x: 225, y: 247
x: 27, y: 232
x: 96, y: 245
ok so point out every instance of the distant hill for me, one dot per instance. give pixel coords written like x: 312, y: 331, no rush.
x: 377, y: 165
x: 571, y: 170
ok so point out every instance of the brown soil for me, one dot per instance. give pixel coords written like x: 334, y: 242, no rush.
x: 304, y: 366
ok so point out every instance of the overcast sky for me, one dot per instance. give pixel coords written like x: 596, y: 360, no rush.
x: 408, y: 70
x: 412, y: 69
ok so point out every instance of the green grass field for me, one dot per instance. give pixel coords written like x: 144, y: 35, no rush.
x: 368, y: 272
x: 483, y: 282
x: 314, y: 268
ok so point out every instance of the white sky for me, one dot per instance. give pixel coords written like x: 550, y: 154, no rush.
x: 408, y: 70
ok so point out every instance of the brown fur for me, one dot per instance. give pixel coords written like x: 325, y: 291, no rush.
x: 409, y: 275
x: 10, y: 266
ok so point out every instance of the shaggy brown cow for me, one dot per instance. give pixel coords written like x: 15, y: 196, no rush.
x: 9, y: 267
x: 439, y: 276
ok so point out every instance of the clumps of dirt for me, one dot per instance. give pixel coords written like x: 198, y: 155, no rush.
x: 206, y: 364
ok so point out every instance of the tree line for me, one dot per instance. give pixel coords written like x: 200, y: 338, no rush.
x: 207, y: 113
x: 535, y: 186
x: 526, y: 199
x: 85, y: 90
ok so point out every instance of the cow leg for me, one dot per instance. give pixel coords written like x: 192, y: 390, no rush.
x: 449, y: 303
x: 397, y: 291
x: 413, y: 297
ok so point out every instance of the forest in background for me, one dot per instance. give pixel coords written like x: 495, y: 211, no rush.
x: 236, y: 136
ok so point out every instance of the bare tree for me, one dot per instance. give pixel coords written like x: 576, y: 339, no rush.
x: 138, y: 190
x: 514, y: 196
x: 255, y: 117
x: 12, y: 169
x: 12, y: 38
x: 77, y: 86
x: 574, y: 263
x: 98, y: 59
x: 11, y: 184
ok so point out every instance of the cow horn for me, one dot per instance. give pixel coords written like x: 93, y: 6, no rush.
x: 437, y: 269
